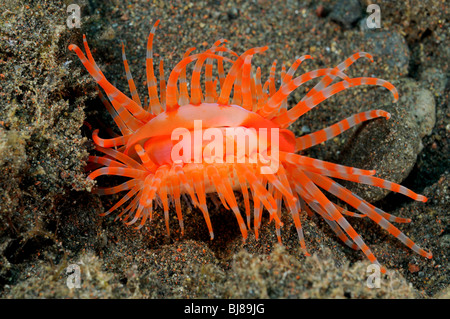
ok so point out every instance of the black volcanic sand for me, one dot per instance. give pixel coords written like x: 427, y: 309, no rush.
x: 50, y: 219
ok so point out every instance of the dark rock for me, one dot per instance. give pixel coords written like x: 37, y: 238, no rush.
x: 388, y: 146
x: 389, y: 44
x: 346, y: 13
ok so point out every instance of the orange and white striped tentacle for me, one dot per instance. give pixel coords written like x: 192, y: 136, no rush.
x: 162, y: 84
x: 276, y: 99
x: 322, y: 167
x: 237, y: 88
x: 184, y: 94
x: 145, y: 158
x: 287, y: 76
x: 196, y: 91
x: 171, y: 93
x: 117, y: 98
x: 361, y: 205
x: 210, y: 93
x: 154, y: 103
x: 305, y: 197
x: 290, y: 73
x: 347, y: 173
x: 223, y: 187
x: 233, y: 73
x: 111, y: 142
x: 128, y: 119
x: 130, y: 210
x: 199, y: 187
x: 259, y: 190
x: 326, y: 80
x: 325, y: 134
x: 124, y: 129
x: 293, y: 205
x: 118, y: 188
x: 271, y: 80
x: 310, y: 187
x: 119, y: 156
x: 123, y: 200
x: 131, y: 85
x: 382, y: 183
x: 176, y: 195
x: 104, y: 161
x: 247, y: 96
x: 287, y: 118
x: 126, y: 122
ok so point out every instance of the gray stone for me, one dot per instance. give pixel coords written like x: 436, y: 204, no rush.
x: 420, y: 103
x: 390, y: 147
x: 346, y: 13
